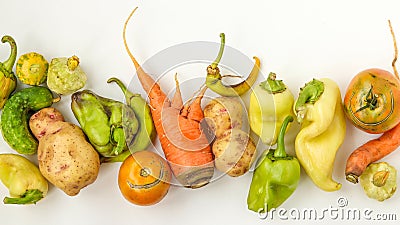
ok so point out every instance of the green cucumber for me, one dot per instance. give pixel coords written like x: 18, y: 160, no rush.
x: 15, y: 117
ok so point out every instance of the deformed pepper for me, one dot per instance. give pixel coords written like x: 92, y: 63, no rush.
x: 214, y: 77
x: 8, y: 81
x: 319, y: 110
x: 109, y: 124
x: 379, y: 181
x: 275, y: 178
x: 23, y: 179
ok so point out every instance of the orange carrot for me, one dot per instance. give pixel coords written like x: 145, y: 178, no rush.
x: 185, y: 146
x: 370, y: 152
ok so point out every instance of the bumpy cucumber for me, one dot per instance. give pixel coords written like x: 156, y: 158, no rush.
x: 15, y: 117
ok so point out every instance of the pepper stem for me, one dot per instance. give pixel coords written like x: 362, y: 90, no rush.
x: 310, y: 93
x: 29, y: 197
x: 272, y: 85
x: 221, y: 50
x: 280, y: 151
x: 9, y: 63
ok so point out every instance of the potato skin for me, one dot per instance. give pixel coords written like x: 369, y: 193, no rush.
x: 222, y: 114
x: 40, y: 122
x: 233, y: 149
x: 65, y: 157
x: 234, y: 152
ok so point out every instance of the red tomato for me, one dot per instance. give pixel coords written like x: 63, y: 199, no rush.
x: 372, y: 101
x: 144, y: 178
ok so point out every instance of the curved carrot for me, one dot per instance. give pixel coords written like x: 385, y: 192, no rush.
x: 370, y: 152
x: 185, y: 146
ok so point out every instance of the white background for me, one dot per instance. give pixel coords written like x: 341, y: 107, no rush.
x: 299, y: 40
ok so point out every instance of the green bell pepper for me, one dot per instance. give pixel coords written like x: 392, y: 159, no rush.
x: 275, y: 178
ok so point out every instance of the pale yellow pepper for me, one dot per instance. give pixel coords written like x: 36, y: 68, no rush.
x: 270, y: 103
x: 22, y: 178
x: 319, y: 110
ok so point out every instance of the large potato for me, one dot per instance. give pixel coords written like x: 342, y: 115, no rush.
x: 233, y: 149
x: 65, y: 158
x: 223, y: 113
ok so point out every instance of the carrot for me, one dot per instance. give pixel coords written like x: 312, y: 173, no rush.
x: 370, y: 152
x: 185, y: 146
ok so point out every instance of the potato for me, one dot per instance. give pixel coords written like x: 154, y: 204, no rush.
x: 223, y: 113
x: 234, y: 152
x: 233, y: 149
x: 65, y: 157
x: 40, y: 122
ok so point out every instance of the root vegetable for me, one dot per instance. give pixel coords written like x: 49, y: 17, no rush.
x: 185, y: 146
x: 370, y: 152
x: 65, y: 158
x: 233, y: 149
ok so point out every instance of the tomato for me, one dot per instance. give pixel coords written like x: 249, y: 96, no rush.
x: 372, y: 101
x: 144, y: 178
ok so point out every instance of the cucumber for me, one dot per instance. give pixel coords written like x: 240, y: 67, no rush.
x: 15, y: 117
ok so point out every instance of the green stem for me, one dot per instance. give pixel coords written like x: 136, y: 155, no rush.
x: 221, y: 50
x: 272, y: 85
x: 125, y: 91
x: 310, y: 93
x: 280, y: 151
x: 119, y: 83
x: 29, y: 197
x: 9, y: 63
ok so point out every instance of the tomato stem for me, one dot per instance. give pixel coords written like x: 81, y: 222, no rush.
x: 371, y: 101
x: 144, y: 172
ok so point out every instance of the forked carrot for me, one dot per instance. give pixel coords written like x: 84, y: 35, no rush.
x: 185, y: 146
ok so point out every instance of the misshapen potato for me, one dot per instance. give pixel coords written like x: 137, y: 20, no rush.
x: 223, y: 114
x: 233, y: 149
x: 65, y: 158
x: 234, y: 152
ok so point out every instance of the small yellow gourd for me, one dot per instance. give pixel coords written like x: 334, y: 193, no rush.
x: 32, y: 69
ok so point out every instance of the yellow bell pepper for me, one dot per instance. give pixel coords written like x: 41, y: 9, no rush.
x: 270, y: 103
x: 319, y: 110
